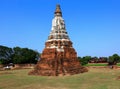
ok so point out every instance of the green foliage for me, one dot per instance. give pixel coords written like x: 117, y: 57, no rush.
x: 84, y: 60
x: 24, y: 55
x: 17, y: 55
x: 0, y: 62
x: 5, y: 54
x: 114, y: 59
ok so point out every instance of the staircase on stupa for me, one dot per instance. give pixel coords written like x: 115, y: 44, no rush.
x: 58, y: 57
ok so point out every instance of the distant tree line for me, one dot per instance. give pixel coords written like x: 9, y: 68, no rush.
x: 17, y: 55
x: 111, y: 60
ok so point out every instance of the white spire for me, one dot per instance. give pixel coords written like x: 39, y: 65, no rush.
x: 58, y: 30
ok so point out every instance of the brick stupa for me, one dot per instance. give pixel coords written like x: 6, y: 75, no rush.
x: 58, y: 57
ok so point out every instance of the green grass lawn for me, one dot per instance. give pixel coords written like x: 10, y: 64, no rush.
x: 96, y: 64
x: 118, y: 64
x: 101, y: 78
x: 99, y: 64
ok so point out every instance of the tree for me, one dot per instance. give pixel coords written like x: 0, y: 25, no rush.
x: 5, y: 54
x: 24, y: 55
x: 114, y: 59
x: 84, y: 60
x: 17, y: 55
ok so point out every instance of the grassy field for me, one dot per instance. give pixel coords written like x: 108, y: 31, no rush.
x: 99, y: 64
x: 96, y: 64
x: 118, y: 64
x: 96, y: 78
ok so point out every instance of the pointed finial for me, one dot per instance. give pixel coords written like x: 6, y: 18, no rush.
x: 58, y: 10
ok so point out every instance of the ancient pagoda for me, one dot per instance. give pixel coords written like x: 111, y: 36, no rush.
x: 58, y: 57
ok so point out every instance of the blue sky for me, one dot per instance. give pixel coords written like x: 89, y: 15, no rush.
x: 93, y: 25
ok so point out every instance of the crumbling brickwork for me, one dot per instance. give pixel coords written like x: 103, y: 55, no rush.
x: 58, y: 56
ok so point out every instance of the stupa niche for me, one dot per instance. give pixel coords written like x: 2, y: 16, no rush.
x: 58, y: 57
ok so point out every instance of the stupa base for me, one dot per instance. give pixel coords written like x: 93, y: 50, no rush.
x: 61, y: 71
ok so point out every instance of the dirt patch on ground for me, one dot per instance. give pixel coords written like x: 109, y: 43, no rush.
x: 118, y: 78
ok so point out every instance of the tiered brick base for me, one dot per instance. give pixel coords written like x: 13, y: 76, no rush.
x: 55, y: 63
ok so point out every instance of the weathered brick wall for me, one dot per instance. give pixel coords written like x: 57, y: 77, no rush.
x: 54, y: 63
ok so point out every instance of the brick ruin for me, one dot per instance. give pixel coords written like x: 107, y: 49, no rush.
x: 58, y: 57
